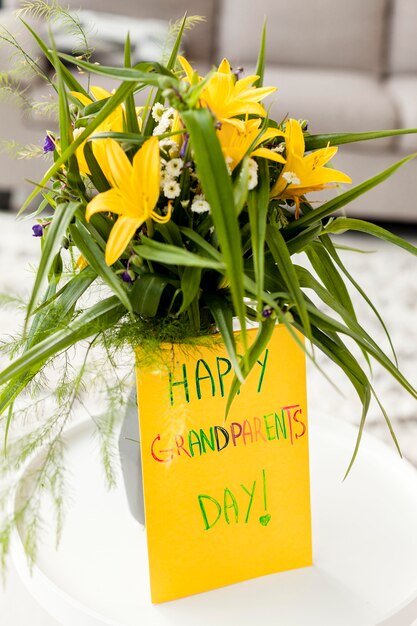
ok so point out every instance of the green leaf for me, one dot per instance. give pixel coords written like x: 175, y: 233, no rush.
x: 170, y: 233
x: 204, y: 245
x: 340, y: 355
x: 301, y: 240
x: 222, y: 313
x: 260, y: 65
x: 218, y: 190
x: 337, y: 203
x: 258, y: 203
x: 65, y: 127
x: 147, y: 293
x: 330, y: 277
x: 333, y: 253
x: 143, y: 75
x: 99, y: 317
x: 282, y: 258
x: 266, y: 328
x: 70, y: 293
x: 150, y: 123
x: 240, y: 187
x: 63, y: 216
x: 132, y: 123
x: 95, y: 257
x: 343, y: 224
x: 190, y: 286
x: 313, y: 142
x: 322, y: 263
x: 172, y: 255
x: 318, y: 318
x: 96, y: 173
x: 69, y: 79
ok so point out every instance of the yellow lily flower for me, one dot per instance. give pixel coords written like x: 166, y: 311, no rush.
x: 302, y: 174
x: 227, y: 96
x: 114, y: 123
x: 81, y: 263
x: 133, y: 196
x: 237, y: 136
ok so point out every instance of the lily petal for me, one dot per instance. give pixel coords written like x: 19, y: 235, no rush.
x: 268, y: 154
x: 81, y: 98
x: 99, y: 93
x: 189, y: 72
x: 146, y: 174
x: 224, y: 67
x: 120, y: 236
x: 295, y: 138
x: 107, y: 202
x: 120, y: 166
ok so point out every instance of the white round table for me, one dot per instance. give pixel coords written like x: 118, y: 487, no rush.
x: 365, y: 549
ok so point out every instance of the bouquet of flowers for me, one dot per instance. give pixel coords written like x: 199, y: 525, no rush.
x: 189, y: 210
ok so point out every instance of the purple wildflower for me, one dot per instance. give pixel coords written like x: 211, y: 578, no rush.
x: 267, y: 312
x: 184, y: 146
x: 37, y: 230
x: 49, y: 143
x: 128, y: 276
x: 238, y: 72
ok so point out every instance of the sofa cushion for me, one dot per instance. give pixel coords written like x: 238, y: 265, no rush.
x: 402, y: 37
x: 325, y: 33
x: 199, y: 40
x: 333, y: 101
x: 403, y: 91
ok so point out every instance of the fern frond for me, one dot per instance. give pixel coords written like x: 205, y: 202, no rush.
x: 19, y: 57
x: 46, y: 108
x: 174, y: 28
x: 21, y: 151
x: 69, y: 20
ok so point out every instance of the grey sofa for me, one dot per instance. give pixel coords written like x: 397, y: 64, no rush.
x: 345, y: 65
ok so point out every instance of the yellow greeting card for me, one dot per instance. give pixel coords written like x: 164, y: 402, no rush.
x: 225, y: 501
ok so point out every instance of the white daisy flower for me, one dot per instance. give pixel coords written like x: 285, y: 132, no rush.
x: 279, y: 148
x: 174, y: 167
x: 291, y: 177
x: 252, y: 179
x: 169, y: 113
x: 164, y: 178
x: 162, y: 127
x: 252, y: 165
x: 229, y: 160
x: 170, y: 146
x: 171, y: 189
x: 158, y: 110
x: 200, y: 204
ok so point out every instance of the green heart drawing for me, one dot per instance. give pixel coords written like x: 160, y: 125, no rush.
x: 265, y: 519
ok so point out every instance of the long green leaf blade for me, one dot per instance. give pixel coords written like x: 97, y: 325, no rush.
x: 262, y: 338
x: 313, y: 142
x: 172, y: 255
x: 218, y: 190
x: 53, y: 239
x: 95, y: 257
x: 260, y: 65
x: 258, y: 203
x: 282, y: 258
x: 222, y: 313
x: 147, y: 293
x: 342, y: 224
x: 337, y: 203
